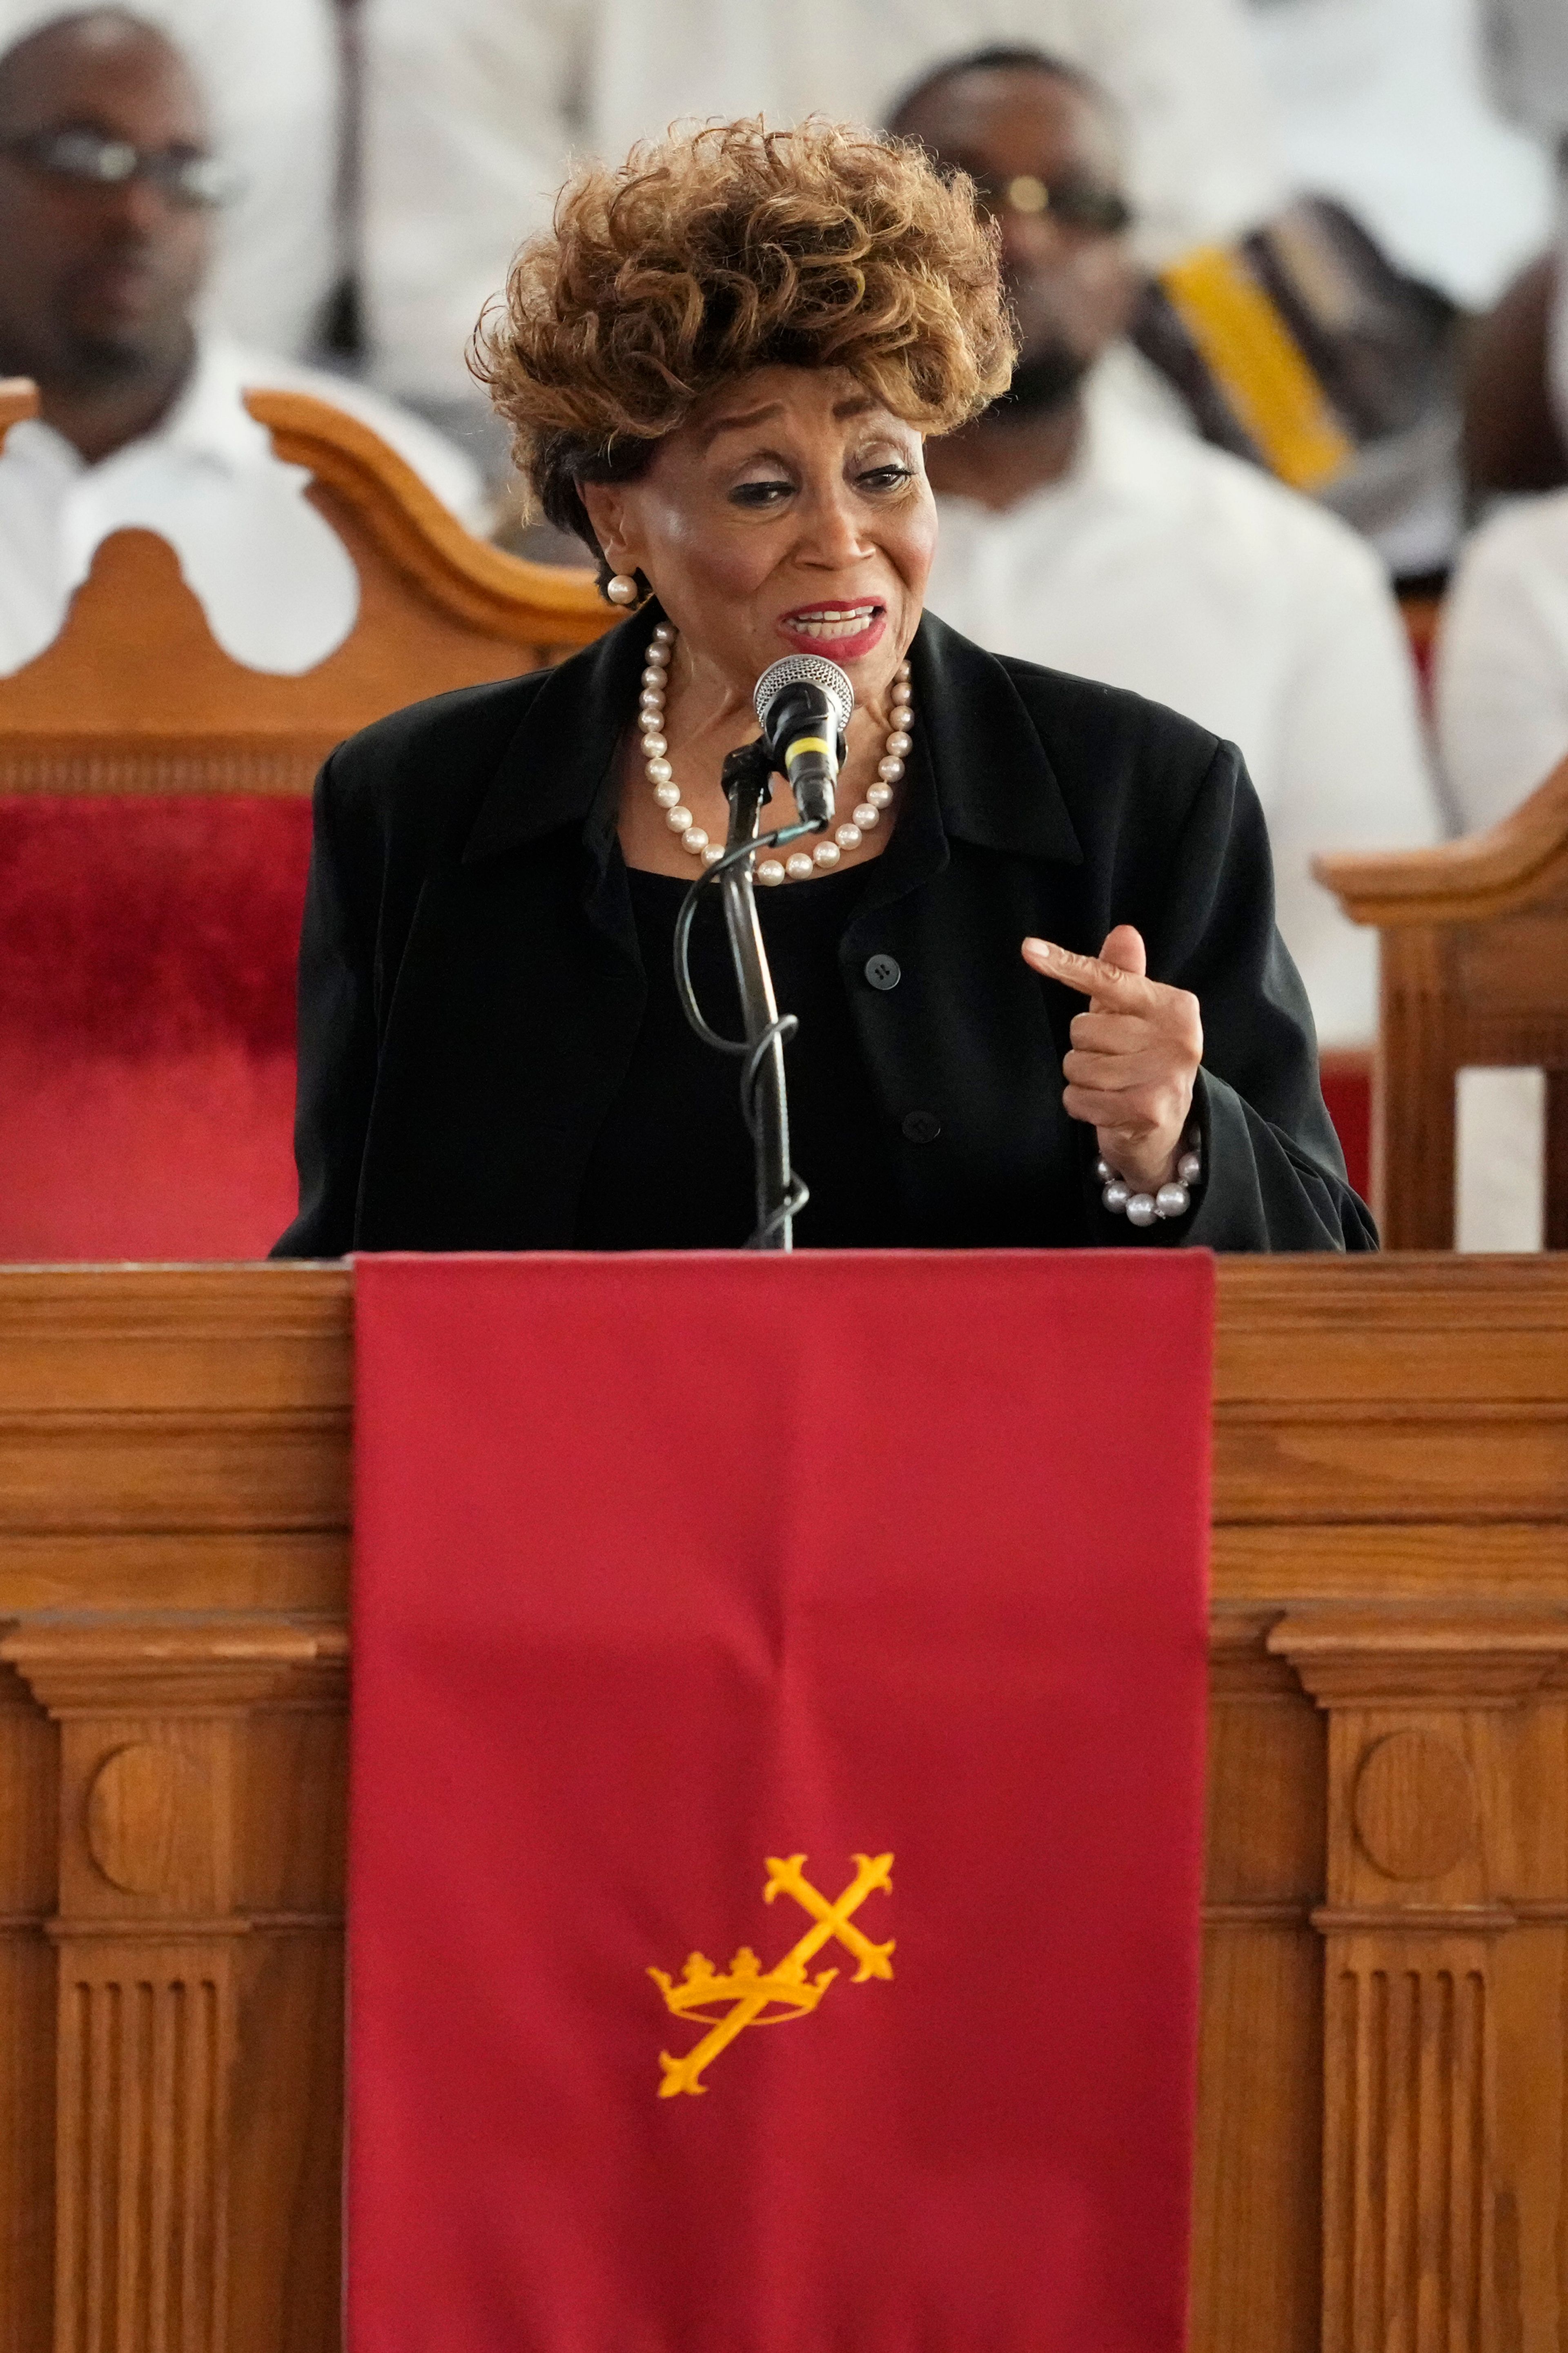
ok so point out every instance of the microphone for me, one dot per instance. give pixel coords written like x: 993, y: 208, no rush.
x: 803, y: 705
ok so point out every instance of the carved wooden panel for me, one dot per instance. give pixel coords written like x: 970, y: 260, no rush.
x: 151, y: 1717
x: 1382, y: 2145
x: 173, y: 1524
x: 1424, y: 1795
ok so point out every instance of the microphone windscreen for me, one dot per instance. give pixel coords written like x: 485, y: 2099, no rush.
x: 804, y: 670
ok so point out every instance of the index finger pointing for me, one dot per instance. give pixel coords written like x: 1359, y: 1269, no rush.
x: 1126, y: 992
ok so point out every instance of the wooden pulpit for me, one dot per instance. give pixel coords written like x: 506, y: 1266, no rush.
x: 1381, y: 2156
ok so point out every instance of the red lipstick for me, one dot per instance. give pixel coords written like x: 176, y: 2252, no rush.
x: 842, y: 630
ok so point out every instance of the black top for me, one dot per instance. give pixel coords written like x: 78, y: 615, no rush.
x: 672, y: 1166
x: 473, y: 988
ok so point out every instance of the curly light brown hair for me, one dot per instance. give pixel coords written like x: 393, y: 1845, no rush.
x: 732, y: 248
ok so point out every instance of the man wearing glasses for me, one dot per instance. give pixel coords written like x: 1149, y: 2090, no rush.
x: 109, y: 193
x: 274, y: 76
x: 1083, y: 527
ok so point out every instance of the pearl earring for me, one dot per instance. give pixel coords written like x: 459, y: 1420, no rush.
x: 621, y: 588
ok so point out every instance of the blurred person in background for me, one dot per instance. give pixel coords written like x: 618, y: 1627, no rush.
x: 1387, y: 106
x: 1081, y: 531
x: 1517, y: 406
x: 1502, y: 669
x: 474, y: 108
x: 272, y: 72
x: 1335, y: 339
x: 109, y: 194
x: 1501, y: 673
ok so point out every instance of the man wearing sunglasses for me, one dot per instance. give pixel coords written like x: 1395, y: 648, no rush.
x: 474, y: 108
x: 110, y: 192
x: 1084, y: 527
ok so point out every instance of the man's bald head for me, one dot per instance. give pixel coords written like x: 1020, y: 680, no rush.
x: 97, y: 282
x: 116, y: 39
x: 1042, y: 142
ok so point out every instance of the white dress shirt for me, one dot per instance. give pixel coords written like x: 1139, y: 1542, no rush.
x: 1502, y: 702
x: 278, y: 587
x: 1165, y: 566
x: 271, y: 74
x: 1502, y: 661
x: 474, y: 108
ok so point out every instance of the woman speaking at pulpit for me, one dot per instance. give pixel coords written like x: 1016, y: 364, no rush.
x: 1041, y: 1001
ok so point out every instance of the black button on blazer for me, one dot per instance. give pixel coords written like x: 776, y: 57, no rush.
x: 470, y: 988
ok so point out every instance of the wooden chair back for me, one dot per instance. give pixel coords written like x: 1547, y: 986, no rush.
x: 1474, y: 938
x: 135, y: 695
x: 18, y: 398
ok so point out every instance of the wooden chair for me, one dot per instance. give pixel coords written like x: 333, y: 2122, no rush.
x: 154, y: 834
x: 1475, y: 973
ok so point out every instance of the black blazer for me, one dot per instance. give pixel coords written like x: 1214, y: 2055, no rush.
x: 470, y: 987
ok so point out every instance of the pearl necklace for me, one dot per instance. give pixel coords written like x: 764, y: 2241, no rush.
x: 694, y: 838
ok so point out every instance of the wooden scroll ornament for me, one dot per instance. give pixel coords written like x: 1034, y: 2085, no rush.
x: 135, y: 694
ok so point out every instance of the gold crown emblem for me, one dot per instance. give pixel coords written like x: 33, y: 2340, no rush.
x: 744, y: 1978
x: 759, y: 1997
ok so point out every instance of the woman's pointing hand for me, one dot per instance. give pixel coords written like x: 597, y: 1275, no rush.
x: 1135, y: 1054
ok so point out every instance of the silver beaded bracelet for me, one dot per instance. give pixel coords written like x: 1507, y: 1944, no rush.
x: 1171, y: 1200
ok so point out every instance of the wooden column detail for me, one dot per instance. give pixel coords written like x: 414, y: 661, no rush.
x: 1414, y: 1110
x: 150, y: 1713
x: 1420, y: 1857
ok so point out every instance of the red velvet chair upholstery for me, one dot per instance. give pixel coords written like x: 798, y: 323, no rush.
x: 154, y: 830
x: 1347, y: 1091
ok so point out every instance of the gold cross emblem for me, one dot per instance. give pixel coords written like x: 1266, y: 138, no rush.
x: 786, y: 1989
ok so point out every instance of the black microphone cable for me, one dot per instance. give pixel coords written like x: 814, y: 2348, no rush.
x: 803, y: 705
x: 778, y: 1031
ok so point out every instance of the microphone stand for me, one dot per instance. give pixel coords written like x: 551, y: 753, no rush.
x: 765, y: 1105
x: 779, y: 1194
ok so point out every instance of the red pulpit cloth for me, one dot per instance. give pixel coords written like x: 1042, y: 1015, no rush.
x: 825, y: 1635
